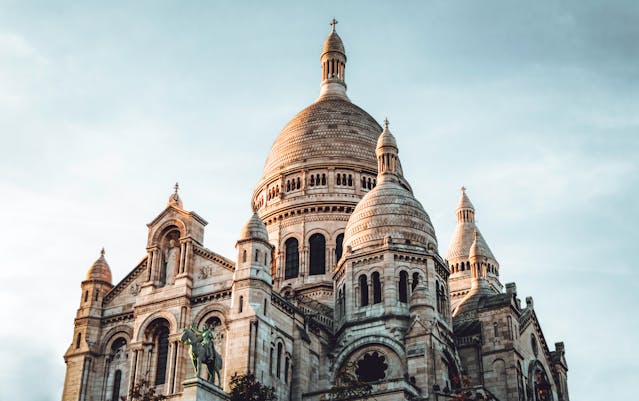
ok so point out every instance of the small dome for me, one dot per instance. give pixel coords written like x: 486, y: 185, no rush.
x: 386, y: 139
x: 100, y: 270
x: 478, y: 248
x: 333, y: 43
x: 254, y: 229
x: 389, y: 210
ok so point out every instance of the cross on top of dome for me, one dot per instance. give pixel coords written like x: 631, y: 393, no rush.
x: 332, y: 24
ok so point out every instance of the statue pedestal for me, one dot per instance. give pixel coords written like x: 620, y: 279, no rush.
x: 196, y: 389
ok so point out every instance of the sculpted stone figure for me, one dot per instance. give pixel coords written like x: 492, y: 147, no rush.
x: 202, y: 351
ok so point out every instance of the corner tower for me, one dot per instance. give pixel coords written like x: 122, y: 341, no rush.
x: 459, y: 254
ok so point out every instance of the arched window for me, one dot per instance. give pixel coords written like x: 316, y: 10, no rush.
x: 244, y: 256
x: 257, y: 255
x: 292, y: 265
x: 323, y: 179
x: 369, y: 184
x: 240, y: 307
x: 317, y: 263
x: 438, y: 294
x: 350, y: 180
x: 86, y: 295
x: 162, y: 343
x: 78, y: 340
x: 299, y: 183
x: 363, y: 182
x: 115, y: 394
x: 403, y: 286
x: 363, y: 290
x: 339, y: 241
x: 96, y: 295
x: 377, y: 288
x: 343, y: 179
x: 339, y: 179
x: 288, y: 185
x: 270, y: 362
x: 415, y: 281
x: 312, y: 181
x: 279, y: 358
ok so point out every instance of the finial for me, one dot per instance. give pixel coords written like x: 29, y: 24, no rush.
x: 463, y: 189
x: 332, y: 24
x: 385, y: 123
x: 177, y: 187
x: 102, y: 252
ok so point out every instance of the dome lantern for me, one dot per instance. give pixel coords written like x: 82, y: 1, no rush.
x: 333, y: 61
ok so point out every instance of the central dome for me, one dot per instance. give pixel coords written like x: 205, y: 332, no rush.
x: 331, y: 129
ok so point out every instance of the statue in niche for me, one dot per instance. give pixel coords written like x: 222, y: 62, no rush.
x: 171, y: 256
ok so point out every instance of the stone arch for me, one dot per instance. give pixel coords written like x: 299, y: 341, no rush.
x: 217, y: 310
x: 317, y: 230
x: 113, y: 334
x: 159, y: 231
x: 370, y: 342
x: 149, y: 320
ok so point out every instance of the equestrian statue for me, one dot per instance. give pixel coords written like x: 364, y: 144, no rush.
x: 203, y: 351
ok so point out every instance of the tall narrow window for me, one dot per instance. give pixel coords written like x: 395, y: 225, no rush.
x: 403, y: 287
x: 415, y: 281
x: 292, y: 265
x: 86, y: 295
x: 286, y: 368
x: 270, y: 362
x: 244, y: 256
x: 240, y: 308
x: 377, y: 288
x: 279, y: 358
x: 115, y: 395
x: 162, y: 355
x: 339, y: 241
x: 495, y: 329
x: 363, y: 290
x: 78, y: 340
x: 339, y: 179
x: 323, y: 179
x: 317, y: 254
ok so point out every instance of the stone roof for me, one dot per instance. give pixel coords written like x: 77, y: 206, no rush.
x: 333, y: 43
x: 254, y: 229
x: 330, y: 130
x: 463, y: 238
x: 100, y: 270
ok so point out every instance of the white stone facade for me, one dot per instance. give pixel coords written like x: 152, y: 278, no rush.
x: 338, y: 272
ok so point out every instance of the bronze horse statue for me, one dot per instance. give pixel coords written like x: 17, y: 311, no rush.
x: 203, y: 353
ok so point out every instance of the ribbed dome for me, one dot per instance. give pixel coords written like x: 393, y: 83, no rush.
x: 100, y: 270
x: 333, y: 129
x: 389, y: 210
x: 254, y: 229
x: 333, y: 44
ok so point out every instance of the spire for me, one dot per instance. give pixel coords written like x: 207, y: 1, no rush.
x: 465, y: 209
x: 174, y: 199
x: 387, y: 153
x: 333, y: 61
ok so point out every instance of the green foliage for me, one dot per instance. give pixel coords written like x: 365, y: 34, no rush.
x: 143, y: 391
x: 247, y: 388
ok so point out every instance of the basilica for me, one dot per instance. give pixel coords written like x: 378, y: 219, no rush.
x: 338, y: 281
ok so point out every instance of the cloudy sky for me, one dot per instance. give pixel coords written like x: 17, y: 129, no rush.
x: 532, y: 105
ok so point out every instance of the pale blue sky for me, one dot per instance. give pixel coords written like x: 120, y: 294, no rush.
x: 531, y: 105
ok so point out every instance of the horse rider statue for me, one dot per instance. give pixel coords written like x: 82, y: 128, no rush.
x: 202, y: 351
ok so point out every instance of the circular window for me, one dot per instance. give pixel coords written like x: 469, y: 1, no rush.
x: 372, y: 367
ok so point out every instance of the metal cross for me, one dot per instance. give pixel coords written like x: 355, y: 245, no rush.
x: 333, y: 23
x: 177, y: 186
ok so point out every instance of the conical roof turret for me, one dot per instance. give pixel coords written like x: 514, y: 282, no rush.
x: 100, y: 270
x: 254, y: 229
x: 464, y: 234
